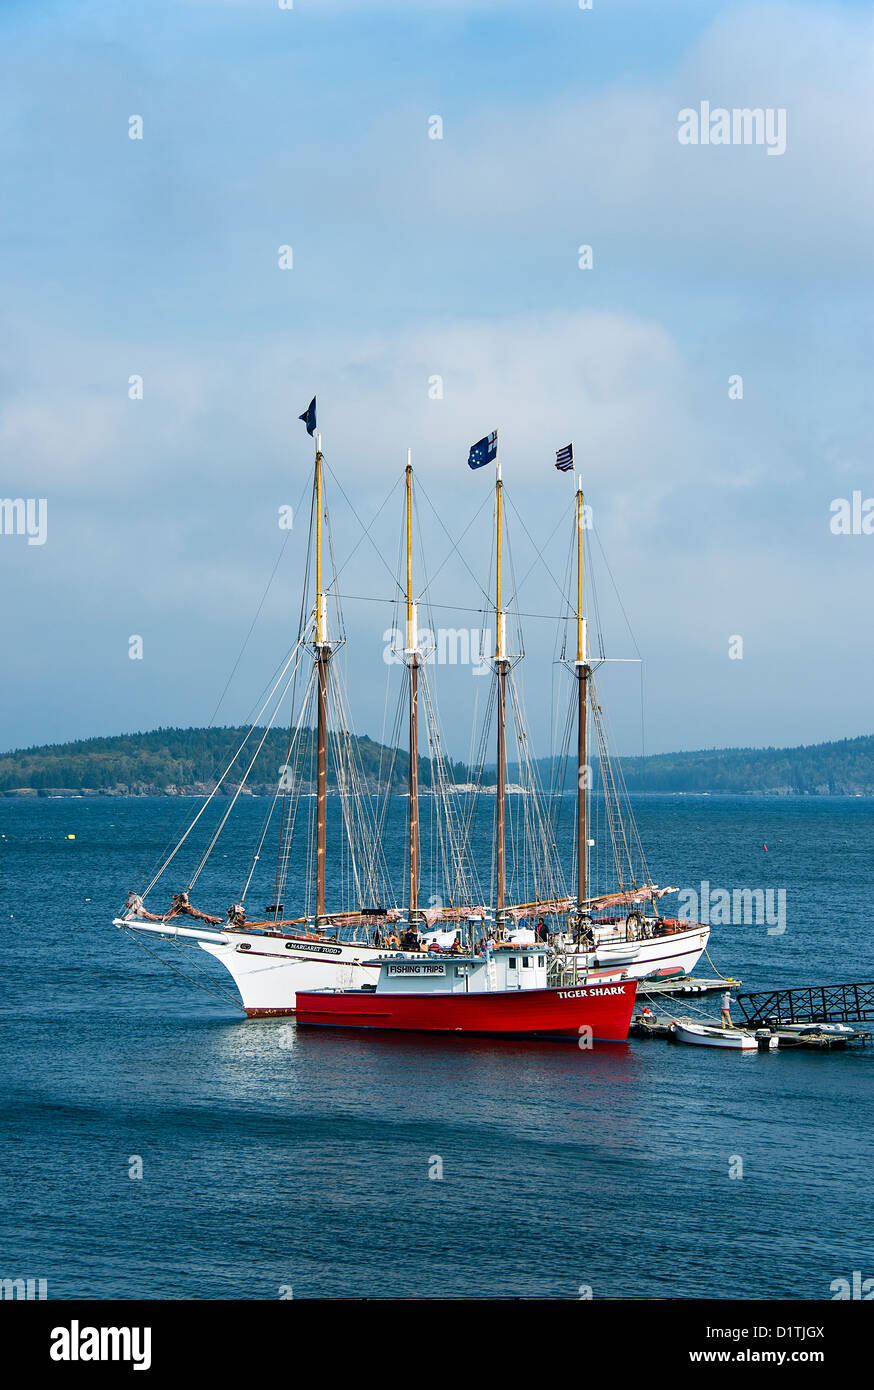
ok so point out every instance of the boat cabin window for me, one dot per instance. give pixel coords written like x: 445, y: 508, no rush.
x: 541, y: 960
x: 512, y: 962
x: 526, y: 961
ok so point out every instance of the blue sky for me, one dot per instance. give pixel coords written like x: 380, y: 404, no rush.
x: 415, y: 257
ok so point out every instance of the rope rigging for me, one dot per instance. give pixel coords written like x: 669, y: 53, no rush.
x: 535, y: 815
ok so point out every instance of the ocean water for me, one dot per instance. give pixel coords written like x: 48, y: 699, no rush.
x: 275, y: 1158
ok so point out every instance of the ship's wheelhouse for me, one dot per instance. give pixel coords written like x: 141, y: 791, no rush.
x: 433, y: 973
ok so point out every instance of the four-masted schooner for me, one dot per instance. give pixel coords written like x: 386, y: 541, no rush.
x: 581, y: 967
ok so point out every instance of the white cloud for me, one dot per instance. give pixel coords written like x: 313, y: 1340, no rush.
x: 462, y: 257
x: 604, y: 165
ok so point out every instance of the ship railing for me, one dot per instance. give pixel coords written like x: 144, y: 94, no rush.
x: 566, y: 971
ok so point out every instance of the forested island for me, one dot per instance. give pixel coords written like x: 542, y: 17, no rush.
x: 189, y: 762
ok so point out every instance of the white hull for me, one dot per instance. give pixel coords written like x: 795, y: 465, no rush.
x: 269, y: 970
x: 655, y: 957
x: 701, y: 1035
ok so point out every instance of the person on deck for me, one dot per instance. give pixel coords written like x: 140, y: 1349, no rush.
x: 724, y: 1010
x: 542, y: 931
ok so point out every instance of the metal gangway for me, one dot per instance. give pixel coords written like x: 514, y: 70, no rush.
x: 566, y: 971
x: 809, y: 1004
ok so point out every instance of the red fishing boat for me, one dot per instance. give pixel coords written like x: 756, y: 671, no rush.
x: 503, y: 992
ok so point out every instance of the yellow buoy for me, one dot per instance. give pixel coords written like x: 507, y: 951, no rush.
x: 71, y: 837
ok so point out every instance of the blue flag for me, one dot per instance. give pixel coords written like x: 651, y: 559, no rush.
x: 484, y: 451
x: 309, y: 417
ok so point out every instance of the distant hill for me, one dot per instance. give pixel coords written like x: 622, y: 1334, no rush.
x: 182, y: 762
x: 842, y: 768
x: 189, y: 762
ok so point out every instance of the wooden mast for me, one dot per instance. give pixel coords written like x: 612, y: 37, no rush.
x: 412, y: 658
x: 323, y: 657
x: 582, y: 672
x: 501, y: 670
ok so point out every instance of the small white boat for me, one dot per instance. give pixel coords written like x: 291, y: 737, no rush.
x: 707, y: 1035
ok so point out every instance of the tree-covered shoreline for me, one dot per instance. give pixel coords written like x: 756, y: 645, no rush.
x: 191, y: 761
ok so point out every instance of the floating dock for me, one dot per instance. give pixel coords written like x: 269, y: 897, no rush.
x: 817, y: 1041
x: 662, y: 1027
x: 684, y: 984
x: 658, y: 1028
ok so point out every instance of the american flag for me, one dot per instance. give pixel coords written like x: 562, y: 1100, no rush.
x: 564, y: 458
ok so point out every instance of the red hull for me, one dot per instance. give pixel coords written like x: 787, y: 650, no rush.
x: 542, y: 1013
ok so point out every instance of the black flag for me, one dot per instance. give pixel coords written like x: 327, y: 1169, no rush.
x: 309, y: 417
